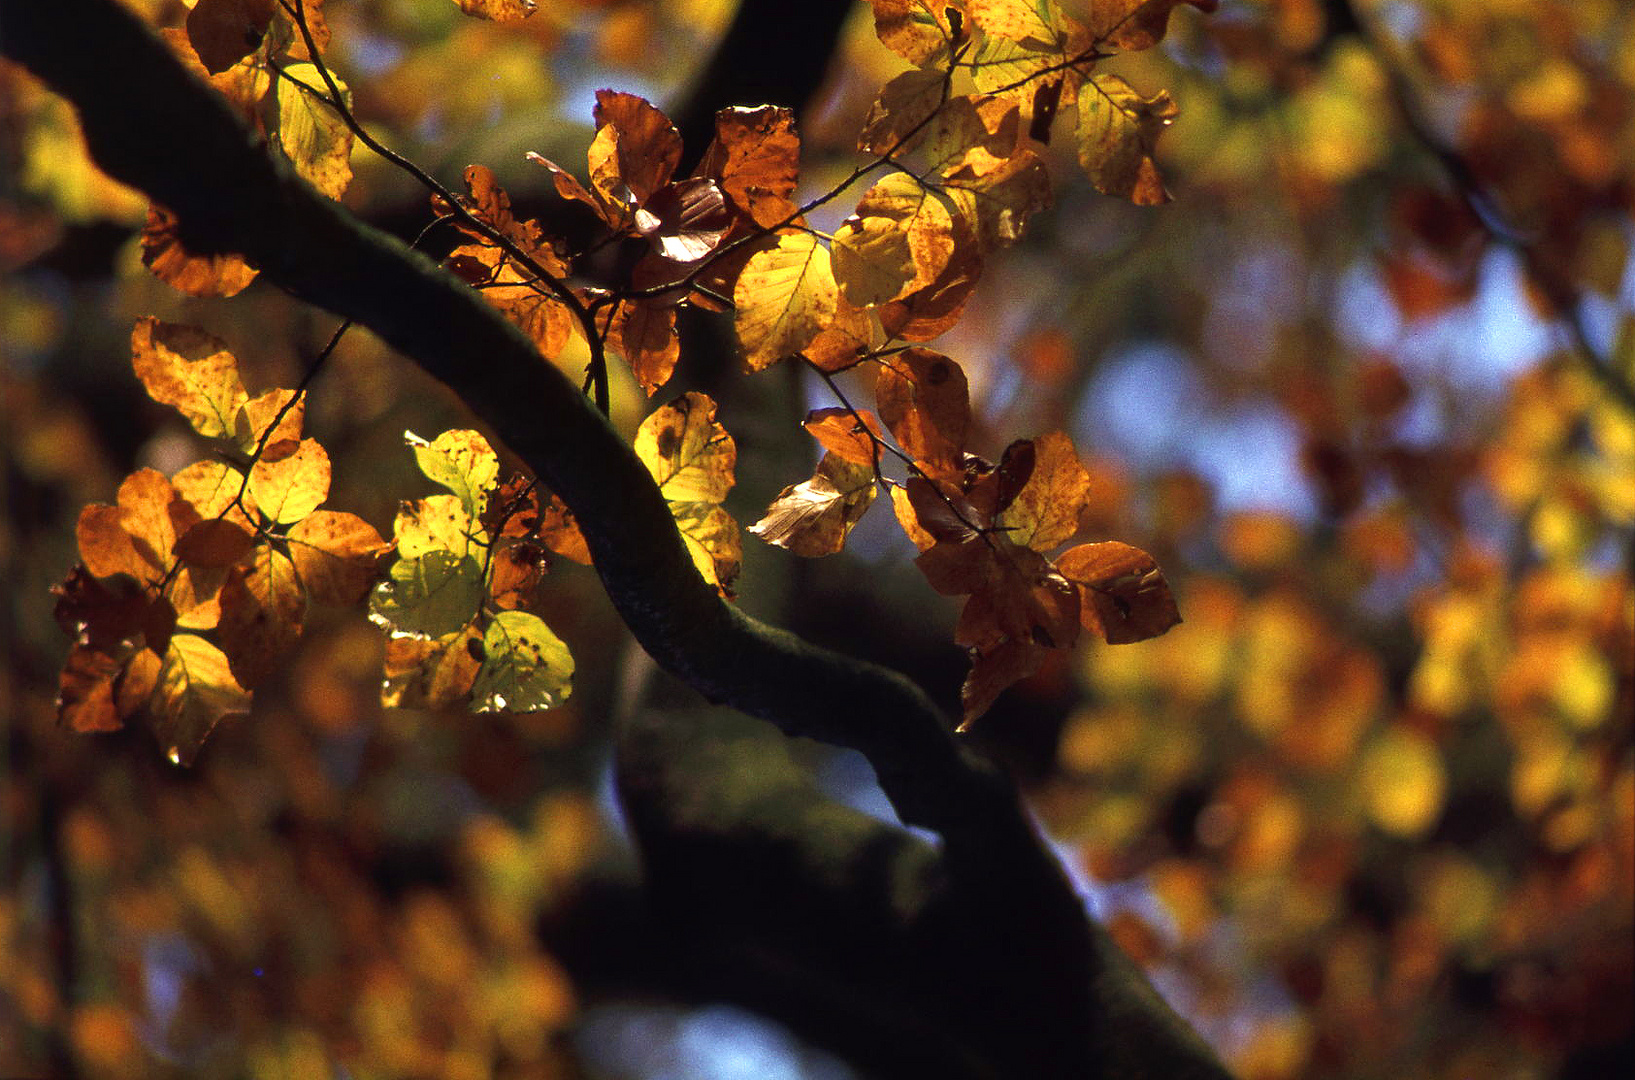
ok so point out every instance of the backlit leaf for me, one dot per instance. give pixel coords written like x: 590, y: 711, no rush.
x: 713, y: 542
x: 872, y: 260
x: 993, y: 671
x: 813, y: 518
x: 1130, y: 25
x: 997, y: 205
x: 1124, y: 595
x: 195, y: 691
x: 436, y: 523
x: 190, y: 370
x: 560, y: 532
x: 756, y: 158
x: 854, y: 334
x: 461, y: 461
x: 85, y: 689
x: 840, y: 433
x: 686, y: 220
x: 1118, y: 130
x: 1046, y: 512
x: 1022, y: 38
x: 214, y: 542
x: 429, y: 596
x: 635, y: 151
x: 211, y: 487
x: 973, y: 135
x: 923, y: 32
x: 223, y: 32
x: 925, y: 403
x: 196, y: 275
x: 312, y: 134
x: 645, y: 335
x: 784, y: 298
x: 500, y: 11
x: 337, y: 555
x: 895, y: 123
x: 525, y: 667
x: 262, y: 608
x: 924, y: 215
x: 290, y: 488
x: 690, y: 455
x: 431, y: 673
x: 932, y: 310
x: 251, y: 424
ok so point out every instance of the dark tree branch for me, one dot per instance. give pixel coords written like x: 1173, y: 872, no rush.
x: 151, y: 124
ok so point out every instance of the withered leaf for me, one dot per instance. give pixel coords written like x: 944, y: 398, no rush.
x: 846, y: 434
x: 756, y: 158
x: 896, y: 121
x: 191, y: 371
x: 784, y: 297
x: 645, y: 335
x: 923, y: 32
x: 431, y: 673
x: 500, y: 11
x: 973, y: 135
x: 925, y: 403
x: 993, y: 671
x: 195, y: 691
x: 1047, y: 509
x: 997, y: 205
x: 215, y: 543
x: 814, y: 517
x: 223, y: 32
x: 1131, y: 25
x: 1124, y: 595
x: 685, y: 220
x: 635, y: 151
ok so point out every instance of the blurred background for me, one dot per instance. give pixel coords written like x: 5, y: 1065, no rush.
x: 1363, y: 389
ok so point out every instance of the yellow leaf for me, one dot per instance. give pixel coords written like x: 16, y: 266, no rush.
x: 1118, y: 130
x: 262, y: 608
x: 461, y: 461
x: 973, y: 135
x: 436, y: 523
x: 251, y: 424
x: 923, y: 214
x: 1403, y: 782
x: 190, y: 370
x: 713, y: 542
x: 784, y: 297
x: 211, y: 487
x: 195, y: 691
x: 690, y: 455
x: 813, y: 518
x: 431, y: 673
x: 895, y: 123
x: 920, y: 31
x: 1046, y: 512
x: 872, y: 261
x: 290, y: 488
x: 312, y: 134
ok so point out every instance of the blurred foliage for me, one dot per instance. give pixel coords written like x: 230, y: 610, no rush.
x: 1370, y: 810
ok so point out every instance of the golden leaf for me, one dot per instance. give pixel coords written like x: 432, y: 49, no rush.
x: 784, y: 297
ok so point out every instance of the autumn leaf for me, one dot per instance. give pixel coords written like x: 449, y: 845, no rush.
x: 872, y: 260
x: 525, y: 666
x: 645, y: 335
x: 190, y: 370
x: 223, y: 32
x: 337, y: 556
x: 896, y: 121
x: 500, y: 11
x: 259, y: 414
x: 686, y: 220
x: 262, y: 608
x: 243, y: 82
x: 855, y: 334
x: 691, y: 458
x: 1118, y: 131
x: 1131, y: 25
x: 1020, y: 39
x: 138, y: 536
x: 925, y: 403
x: 429, y: 596
x: 559, y: 531
x: 436, y: 523
x: 290, y: 488
x: 784, y: 297
x: 997, y: 205
x: 634, y: 153
x: 923, y: 32
x: 973, y: 136
x: 1046, y: 511
x: 461, y: 461
x: 814, y: 517
x: 756, y: 158
x: 853, y: 437
x: 195, y: 690
x: 1124, y: 595
x: 931, y: 310
x: 923, y: 214
x: 210, y: 487
x: 214, y: 543
x: 196, y: 275
x: 311, y: 133
x: 431, y: 673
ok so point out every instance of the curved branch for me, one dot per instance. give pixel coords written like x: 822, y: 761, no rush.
x: 151, y: 124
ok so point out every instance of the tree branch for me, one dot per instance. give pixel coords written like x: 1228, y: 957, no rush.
x: 152, y: 125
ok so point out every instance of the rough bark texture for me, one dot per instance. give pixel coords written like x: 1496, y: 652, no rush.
x: 1004, y: 914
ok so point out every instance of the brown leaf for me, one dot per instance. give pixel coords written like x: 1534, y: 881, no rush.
x: 215, y: 543
x: 337, y: 556
x: 517, y: 569
x: 974, y: 135
x: 903, y: 507
x: 998, y: 204
x: 932, y: 310
x: 85, y: 690
x: 1124, y: 595
x: 993, y: 671
x: 841, y: 433
x: 846, y: 341
x: 244, y: 84
x: 560, y: 532
x: 223, y: 32
x: 923, y: 32
x: 635, y: 151
x: 1131, y: 25
x: 686, y: 220
x: 262, y: 608
x: 645, y: 335
x: 925, y: 403
x: 196, y: 275
x: 756, y: 158
x: 814, y: 517
x: 1048, y: 508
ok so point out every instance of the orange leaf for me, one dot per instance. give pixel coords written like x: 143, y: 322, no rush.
x: 635, y: 151
x: 500, y: 11
x: 973, y: 135
x: 560, y: 532
x: 190, y: 370
x: 645, y: 335
x: 1118, y: 134
x: 196, y: 275
x: 223, y: 32
x: 923, y: 32
x: 1131, y: 25
x: 840, y: 432
x: 924, y: 401
x: 253, y: 420
x: 895, y: 123
x: 431, y: 673
x: 756, y: 158
x: 85, y: 690
x: 195, y: 690
x: 993, y: 671
x: 262, y: 607
x: 1046, y: 511
x: 1124, y: 595
x: 215, y: 543
x: 814, y: 517
x: 337, y: 556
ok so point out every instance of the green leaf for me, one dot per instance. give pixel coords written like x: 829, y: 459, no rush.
x: 461, y: 461
x: 433, y: 595
x: 525, y: 666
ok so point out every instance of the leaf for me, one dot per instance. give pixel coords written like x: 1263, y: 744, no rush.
x: 107, y: 549
x: 85, y: 690
x: 635, y: 152
x: 1131, y: 25
x: 196, y: 275
x: 105, y: 615
x: 872, y: 261
x: 784, y: 298
x: 1118, y: 130
x: 431, y: 673
x: 461, y: 461
x: 1403, y: 781
x: 999, y: 203
x: 925, y: 403
x: 195, y: 691
x: 854, y: 334
x: 686, y: 220
x: 560, y: 532
x: 567, y: 185
x: 223, y: 32
x: 214, y: 543
x: 690, y: 455
x: 841, y: 433
x: 645, y: 335
x: 191, y: 371
x: 311, y: 133
x: 903, y: 507
x: 436, y: 523
x: 137, y: 537
x: 756, y: 158
x: 210, y: 488
x: 539, y: 314
x: 923, y: 214
x: 712, y: 540
x: 290, y: 488
x: 973, y: 136
x: 500, y: 11
x: 515, y: 573
x: 1047, y: 510
x: 525, y: 667
x: 923, y: 32
x: 814, y: 517
x: 895, y: 123
x: 244, y: 83
x: 1022, y: 38
x: 258, y: 414
x: 429, y: 596
x: 262, y: 608
x: 337, y: 556
x: 933, y: 309
x: 1124, y: 595
x: 993, y: 671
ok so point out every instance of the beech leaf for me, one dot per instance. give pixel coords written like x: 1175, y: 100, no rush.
x: 431, y: 673
x: 337, y: 556
x: 525, y: 666
x: 784, y: 298
x: 1124, y: 596
x: 223, y: 32
x: 500, y: 11
x: 290, y: 488
x: 1118, y: 131
x: 436, y: 523
x: 756, y: 158
x: 923, y: 32
x: 645, y: 335
x: 895, y: 123
x: 840, y: 433
x: 461, y: 461
x: 195, y: 690
x: 1047, y: 510
x: 924, y: 401
x: 257, y: 415
x: 196, y: 275
x: 691, y: 456
x: 262, y: 608
x: 429, y: 596
x: 311, y: 133
x: 814, y: 517
x: 873, y: 262
x: 191, y: 371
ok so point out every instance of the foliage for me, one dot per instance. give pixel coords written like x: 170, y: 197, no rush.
x: 1370, y: 804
